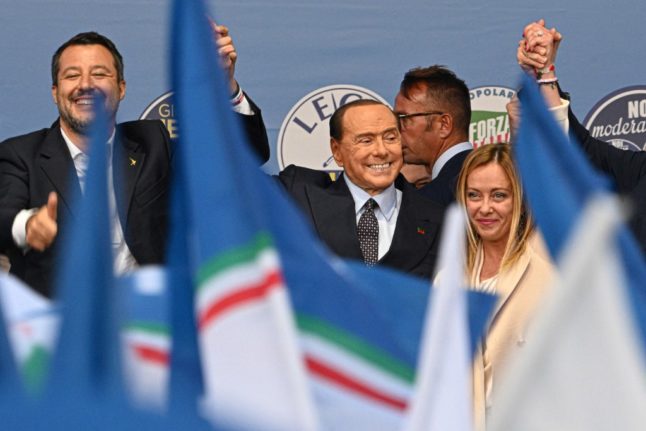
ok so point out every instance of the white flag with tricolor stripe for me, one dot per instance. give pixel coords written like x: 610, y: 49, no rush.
x: 248, y: 341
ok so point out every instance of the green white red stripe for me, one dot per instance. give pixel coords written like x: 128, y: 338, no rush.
x: 343, y: 360
x: 149, y: 342
x: 248, y: 335
x: 243, y: 275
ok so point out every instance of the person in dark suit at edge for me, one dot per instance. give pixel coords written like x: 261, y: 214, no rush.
x: 36, y: 169
x: 434, y: 109
x: 536, y: 54
x: 371, y: 213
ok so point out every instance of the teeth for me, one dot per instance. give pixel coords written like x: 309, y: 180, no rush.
x: 380, y: 166
x: 85, y: 101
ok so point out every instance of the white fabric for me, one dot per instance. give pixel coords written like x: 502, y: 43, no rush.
x: 443, y: 384
x: 244, y: 107
x: 584, y: 369
x: 560, y: 115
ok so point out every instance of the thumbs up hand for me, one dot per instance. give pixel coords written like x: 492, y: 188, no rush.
x: 42, y: 227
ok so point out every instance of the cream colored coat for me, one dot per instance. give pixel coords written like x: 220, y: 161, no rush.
x: 521, y: 288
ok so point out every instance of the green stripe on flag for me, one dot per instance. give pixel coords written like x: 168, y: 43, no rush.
x: 356, y: 346
x: 155, y: 328
x: 234, y: 257
x: 35, y: 367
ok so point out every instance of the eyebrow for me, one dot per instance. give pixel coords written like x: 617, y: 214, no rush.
x: 93, y: 68
x: 390, y: 129
x: 497, y: 189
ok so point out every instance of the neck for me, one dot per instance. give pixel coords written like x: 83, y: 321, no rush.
x: 493, y: 252
x: 81, y: 140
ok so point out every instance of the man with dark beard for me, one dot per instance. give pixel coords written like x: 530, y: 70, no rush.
x: 37, y: 181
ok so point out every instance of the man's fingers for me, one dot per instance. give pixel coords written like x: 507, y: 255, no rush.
x: 223, y: 41
x: 52, y: 205
x: 222, y: 30
x: 226, y: 51
x: 41, y: 229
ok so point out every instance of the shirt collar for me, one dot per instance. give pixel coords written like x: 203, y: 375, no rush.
x: 448, y: 155
x: 75, y: 151
x: 387, y: 199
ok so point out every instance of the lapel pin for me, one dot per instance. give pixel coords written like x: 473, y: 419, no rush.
x: 421, y: 231
x: 133, y: 162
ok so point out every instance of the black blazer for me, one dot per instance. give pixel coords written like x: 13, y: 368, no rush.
x: 330, y: 208
x: 35, y: 164
x: 442, y: 189
x: 627, y: 168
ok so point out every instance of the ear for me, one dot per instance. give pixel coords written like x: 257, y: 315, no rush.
x: 54, y: 91
x: 446, y: 125
x: 122, y: 90
x: 335, y: 146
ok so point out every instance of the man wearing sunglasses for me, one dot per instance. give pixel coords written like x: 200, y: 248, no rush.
x: 434, y: 110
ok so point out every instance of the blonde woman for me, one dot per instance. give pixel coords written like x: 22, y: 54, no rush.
x: 500, y: 260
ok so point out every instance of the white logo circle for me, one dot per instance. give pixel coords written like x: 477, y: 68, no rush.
x: 620, y: 118
x: 304, y: 137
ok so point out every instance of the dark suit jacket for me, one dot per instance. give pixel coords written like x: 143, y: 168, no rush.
x: 628, y: 168
x: 442, y: 188
x: 330, y: 208
x: 35, y: 164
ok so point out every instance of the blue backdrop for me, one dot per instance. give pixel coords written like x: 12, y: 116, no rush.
x: 288, y: 49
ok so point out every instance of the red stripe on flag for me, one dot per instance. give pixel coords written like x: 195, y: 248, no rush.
x: 240, y: 296
x: 341, y: 379
x: 150, y: 354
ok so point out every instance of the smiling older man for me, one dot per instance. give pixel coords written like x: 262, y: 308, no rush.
x: 370, y: 213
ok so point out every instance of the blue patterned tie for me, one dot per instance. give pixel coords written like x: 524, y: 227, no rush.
x: 368, y: 233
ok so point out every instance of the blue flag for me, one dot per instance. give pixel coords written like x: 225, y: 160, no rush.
x: 559, y: 182
x: 87, y: 359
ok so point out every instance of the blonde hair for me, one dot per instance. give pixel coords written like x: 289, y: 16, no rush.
x: 521, y: 222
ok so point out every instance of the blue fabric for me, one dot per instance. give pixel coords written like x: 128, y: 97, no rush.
x: 87, y: 359
x: 558, y: 181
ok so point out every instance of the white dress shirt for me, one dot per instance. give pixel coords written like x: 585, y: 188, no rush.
x: 388, y: 201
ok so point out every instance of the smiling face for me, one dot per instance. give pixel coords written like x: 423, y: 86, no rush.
x: 489, y: 202
x: 369, y: 149
x: 86, y: 72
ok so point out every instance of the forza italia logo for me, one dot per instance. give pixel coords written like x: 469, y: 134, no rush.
x: 489, y: 119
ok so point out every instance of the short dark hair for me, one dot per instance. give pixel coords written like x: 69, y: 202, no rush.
x: 336, y: 121
x: 442, y: 85
x: 88, y: 38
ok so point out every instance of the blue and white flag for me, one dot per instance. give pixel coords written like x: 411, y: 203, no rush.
x: 584, y: 369
x: 558, y: 182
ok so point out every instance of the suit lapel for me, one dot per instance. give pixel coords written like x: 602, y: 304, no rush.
x: 57, y: 165
x: 127, y: 160
x: 509, y: 280
x: 334, y: 218
x: 413, y: 233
